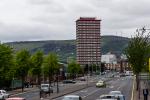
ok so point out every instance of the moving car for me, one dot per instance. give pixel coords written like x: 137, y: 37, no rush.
x: 111, y: 97
x: 115, y: 93
x: 120, y: 97
x: 46, y: 88
x: 16, y: 98
x: 3, y: 94
x: 100, y: 84
x: 107, y: 97
x: 72, y: 97
x: 69, y: 81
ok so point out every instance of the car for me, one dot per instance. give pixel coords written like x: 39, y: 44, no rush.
x: 82, y: 79
x: 100, y: 84
x: 103, y: 73
x: 122, y: 75
x: 68, y: 81
x: 115, y: 93
x: 46, y: 88
x: 27, y: 84
x: 3, y: 94
x: 16, y: 98
x: 111, y: 97
x: 107, y: 97
x: 120, y: 97
x: 117, y: 76
x: 72, y: 97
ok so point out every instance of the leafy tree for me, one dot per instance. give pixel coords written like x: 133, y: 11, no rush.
x: 22, y: 64
x: 6, y: 63
x: 138, y: 51
x: 37, y: 60
x: 50, y: 65
x: 74, y: 69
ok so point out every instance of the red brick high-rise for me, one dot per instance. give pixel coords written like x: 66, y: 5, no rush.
x: 88, y: 41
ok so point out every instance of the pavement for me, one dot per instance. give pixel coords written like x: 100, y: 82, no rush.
x: 138, y: 95
x: 19, y: 91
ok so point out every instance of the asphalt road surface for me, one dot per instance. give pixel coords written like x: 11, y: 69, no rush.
x: 123, y: 84
x: 91, y: 93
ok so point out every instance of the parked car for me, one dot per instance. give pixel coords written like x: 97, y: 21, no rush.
x: 46, y: 88
x: 27, y: 84
x: 100, y: 84
x: 82, y: 79
x: 3, y: 94
x: 72, y: 97
x: 16, y: 98
x: 122, y: 75
x: 69, y: 81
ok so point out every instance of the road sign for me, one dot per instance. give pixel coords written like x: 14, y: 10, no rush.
x: 149, y: 64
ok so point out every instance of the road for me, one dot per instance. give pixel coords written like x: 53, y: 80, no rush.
x: 123, y: 84
x: 90, y: 93
x: 33, y: 94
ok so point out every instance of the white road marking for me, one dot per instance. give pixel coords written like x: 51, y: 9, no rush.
x: 83, y: 91
x: 118, y: 87
x: 90, y: 93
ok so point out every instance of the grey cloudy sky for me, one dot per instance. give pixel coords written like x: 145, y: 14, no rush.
x: 24, y: 20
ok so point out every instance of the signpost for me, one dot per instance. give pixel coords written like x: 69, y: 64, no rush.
x: 149, y: 64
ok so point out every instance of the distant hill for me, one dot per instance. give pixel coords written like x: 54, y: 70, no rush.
x: 67, y: 48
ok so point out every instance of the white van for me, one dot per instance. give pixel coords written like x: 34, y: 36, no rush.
x: 72, y: 97
x: 46, y: 88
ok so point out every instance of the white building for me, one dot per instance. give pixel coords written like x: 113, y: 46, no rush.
x: 109, y: 58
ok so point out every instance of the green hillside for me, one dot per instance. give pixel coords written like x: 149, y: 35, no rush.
x: 67, y: 48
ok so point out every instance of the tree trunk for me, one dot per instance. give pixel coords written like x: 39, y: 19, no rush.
x: 39, y: 80
x: 137, y: 82
x: 49, y: 82
x: 22, y: 83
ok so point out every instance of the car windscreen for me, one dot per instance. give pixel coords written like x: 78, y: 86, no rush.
x: 44, y: 86
x: 70, y: 98
x: 108, y: 97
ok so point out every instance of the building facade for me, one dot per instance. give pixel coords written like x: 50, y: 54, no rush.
x: 88, y: 41
x: 109, y: 58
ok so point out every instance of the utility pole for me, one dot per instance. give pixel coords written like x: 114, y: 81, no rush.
x: 57, y: 83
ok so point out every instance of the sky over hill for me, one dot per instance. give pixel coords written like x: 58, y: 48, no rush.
x: 24, y: 20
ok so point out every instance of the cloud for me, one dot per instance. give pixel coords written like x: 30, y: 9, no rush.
x: 55, y: 19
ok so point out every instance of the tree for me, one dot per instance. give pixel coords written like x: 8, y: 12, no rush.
x: 23, y: 64
x: 138, y: 51
x: 74, y: 69
x: 50, y: 65
x: 6, y: 64
x: 37, y: 60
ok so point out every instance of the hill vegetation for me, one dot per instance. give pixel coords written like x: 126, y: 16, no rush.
x: 67, y: 48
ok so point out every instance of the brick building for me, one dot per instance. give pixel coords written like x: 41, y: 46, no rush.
x: 88, y: 41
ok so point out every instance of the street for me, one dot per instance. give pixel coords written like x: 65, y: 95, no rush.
x: 123, y: 84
